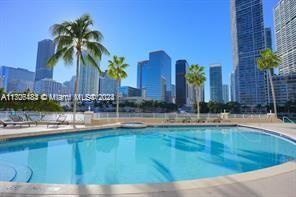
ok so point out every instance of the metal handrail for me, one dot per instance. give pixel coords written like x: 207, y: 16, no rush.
x: 288, y: 119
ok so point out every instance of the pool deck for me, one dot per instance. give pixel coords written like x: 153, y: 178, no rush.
x: 274, y: 181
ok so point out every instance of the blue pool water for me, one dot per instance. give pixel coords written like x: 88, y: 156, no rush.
x: 150, y: 155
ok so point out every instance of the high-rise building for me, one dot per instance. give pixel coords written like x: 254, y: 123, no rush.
x: 127, y: 91
x: 50, y: 86
x: 181, y: 84
x: 285, y: 88
x: 88, y: 82
x: 46, y: 49
x: 71, y: 85
x: 232, y: 87
x: 216, y: 83
x: 267, y: 38
x: 225, y: 93
x: 154, y: 76
x: 16, y: 79
x: 285, y: 35
x: 247, y: 30
x: 107, y: 84
x: 268, y: 45
x: 173, y: 93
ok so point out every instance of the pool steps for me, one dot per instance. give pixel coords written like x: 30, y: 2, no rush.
x: 13, y: 172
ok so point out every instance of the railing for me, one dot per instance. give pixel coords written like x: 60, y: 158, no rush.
x: 111, y: 115
x: 287, y: 120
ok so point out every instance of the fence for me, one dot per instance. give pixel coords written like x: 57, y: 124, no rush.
x: 110, y: 115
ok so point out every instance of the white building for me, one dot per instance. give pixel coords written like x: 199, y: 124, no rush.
x: 285, y: 34
x: 50, y: 86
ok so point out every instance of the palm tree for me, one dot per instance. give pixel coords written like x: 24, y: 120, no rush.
x: 116, y: 70
x: 267, y: 61
x: 76, y: 39
x: 196, y: 77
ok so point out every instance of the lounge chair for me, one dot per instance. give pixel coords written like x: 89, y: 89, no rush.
x: 171, y: 120
x: 35, y: 120
x: 15, y: 120
x: 61, y: 119
x: 187, y: 120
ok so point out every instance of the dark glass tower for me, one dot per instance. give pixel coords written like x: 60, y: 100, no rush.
x: 46, y: 49
x: 181, y: 85
x: 216, y: 83
x: 247, y: 42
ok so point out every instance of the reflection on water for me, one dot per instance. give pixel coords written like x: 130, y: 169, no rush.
x: 150, y: 156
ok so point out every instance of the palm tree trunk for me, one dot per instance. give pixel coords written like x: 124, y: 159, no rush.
x: 76, y: 90
x: 273, y: 92
x: 197, y: 101
x: 117, y: 99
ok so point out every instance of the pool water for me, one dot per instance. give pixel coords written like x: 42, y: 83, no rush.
x: 149, y: 155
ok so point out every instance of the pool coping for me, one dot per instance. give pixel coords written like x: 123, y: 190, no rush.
x: 71, y: 189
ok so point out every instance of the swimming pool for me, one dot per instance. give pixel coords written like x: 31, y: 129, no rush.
x: 149, y: 155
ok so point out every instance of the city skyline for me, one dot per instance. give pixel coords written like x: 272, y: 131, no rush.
x: 157, y: 37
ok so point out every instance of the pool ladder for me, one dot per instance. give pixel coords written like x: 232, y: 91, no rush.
x: 287, y: 120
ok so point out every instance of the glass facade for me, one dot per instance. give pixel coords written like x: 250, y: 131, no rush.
x: 88, y: 82
x: 154, y: 77
x: 247, y: 41
x: 216, y: 83
x: 285, y: 88
x: 16, y: 79
x: 181, y: 84
x: 107, y: 85
x: 46, y: 49
x: 127, y: 91
x: 225, y: 93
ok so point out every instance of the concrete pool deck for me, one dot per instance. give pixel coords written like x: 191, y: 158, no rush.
x: 274, y: 181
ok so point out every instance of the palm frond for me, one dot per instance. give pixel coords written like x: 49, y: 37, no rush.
x: 55, y: 58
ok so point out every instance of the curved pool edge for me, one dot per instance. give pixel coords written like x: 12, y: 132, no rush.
x: 124, y: 189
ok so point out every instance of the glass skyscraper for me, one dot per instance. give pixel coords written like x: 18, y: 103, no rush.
x: 225, y: 93
x: 46, y: 49
x: 285, y: 34
x: 154, y: 77
x: 216, y: 83
x: 16, y: 79
x: 247, y: 41
x: 181, y: 84
x: 88, y: 81
x: 107, y: 84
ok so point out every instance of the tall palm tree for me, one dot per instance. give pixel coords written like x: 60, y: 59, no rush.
x: 75, y: 39
x: 267, y: 61
x: 196, y: 77
x: 116, y: 70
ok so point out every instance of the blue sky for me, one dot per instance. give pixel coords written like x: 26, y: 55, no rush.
x: 195, y: 30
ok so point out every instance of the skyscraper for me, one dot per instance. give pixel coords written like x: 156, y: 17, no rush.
x: 71, y: 85
x: 107, y: 85
x: 46, y: 49
x: 225, y: 93
x: 247, y: 30
x: 181, y: 84
x: 267, y: 38
x: 232, y: 87
x: 285, y: 34
x: 50, y: 86
x: 216, y: 83
x: 88, y: 82
x: 154, y: 77
x: 16, y: 79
